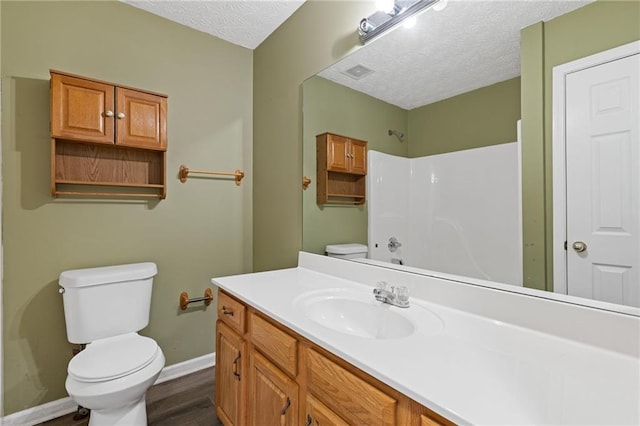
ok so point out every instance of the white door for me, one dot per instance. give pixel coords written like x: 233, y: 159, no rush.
x: 603, y: 182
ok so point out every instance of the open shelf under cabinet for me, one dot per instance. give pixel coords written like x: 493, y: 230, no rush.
x: 115, y: 171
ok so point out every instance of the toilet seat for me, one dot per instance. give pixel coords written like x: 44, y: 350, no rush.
x: 113, y: 357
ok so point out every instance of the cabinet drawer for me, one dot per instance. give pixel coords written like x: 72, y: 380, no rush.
x: 350, y: 397
x: 318, y: 414
x: 231, y: 312
x: 274, y: 343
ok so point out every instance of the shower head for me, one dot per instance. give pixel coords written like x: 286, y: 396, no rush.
x: 397, y: 134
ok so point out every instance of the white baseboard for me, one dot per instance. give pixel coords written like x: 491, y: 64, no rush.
x: 64, y: 406
x: 41, y: 413
x: 187, y: 367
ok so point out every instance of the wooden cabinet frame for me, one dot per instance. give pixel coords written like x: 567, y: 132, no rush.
x: 341, y: 168
x: 106, y: 140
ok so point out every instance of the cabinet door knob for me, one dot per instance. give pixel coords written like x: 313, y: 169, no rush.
x: 108, y: 113
x: 120, y: 115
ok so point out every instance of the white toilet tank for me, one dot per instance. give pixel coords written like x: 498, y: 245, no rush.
x: 347, y: 251
x: 106, y: 301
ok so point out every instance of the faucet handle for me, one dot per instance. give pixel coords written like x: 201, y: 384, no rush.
x: 382, y: 285
x: 402, y: 293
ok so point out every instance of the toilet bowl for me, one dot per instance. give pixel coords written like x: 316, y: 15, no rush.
x: 111, y: 377
x: 105, y: 308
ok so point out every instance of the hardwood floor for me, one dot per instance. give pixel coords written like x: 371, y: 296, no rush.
x: 186, y: 401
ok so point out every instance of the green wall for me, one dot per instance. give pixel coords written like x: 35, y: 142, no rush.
x: 203, y: 228
x: 482, y: 117
x: 317, y: 35
x: 599, y: 26
x: 329, y: 107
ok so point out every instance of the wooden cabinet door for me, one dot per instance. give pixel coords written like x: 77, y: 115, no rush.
x: 352, y: 398
x: 318, y: 414
x: 422, y: 416
x: 358, y: 157
x: 337, y: 153
x: 141, y: 119
x: 273, y: 396
x: 230, y: 380
x: 279, y: 346
x: 81, y: 109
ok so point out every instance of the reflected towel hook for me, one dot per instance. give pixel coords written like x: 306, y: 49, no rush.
x: 397, y: 134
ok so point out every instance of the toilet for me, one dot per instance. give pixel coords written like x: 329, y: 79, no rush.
x: 347, y: 251
x: 105, y: 308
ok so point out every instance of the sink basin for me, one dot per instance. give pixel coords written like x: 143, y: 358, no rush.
x: 354, y: 315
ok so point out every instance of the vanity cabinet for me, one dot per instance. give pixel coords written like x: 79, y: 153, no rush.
x: 105, y: 136
x: 341, y: 165
x: 292, y: 381
x: 347, y: 395
x: 230, y: 349
x: 273, y: 396
x: 318, y: 414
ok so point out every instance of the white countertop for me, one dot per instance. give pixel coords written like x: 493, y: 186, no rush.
x: 469, y: 368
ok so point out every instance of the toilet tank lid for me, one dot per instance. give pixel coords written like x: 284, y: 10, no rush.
x: 346, y: 248
x: 107, y: 274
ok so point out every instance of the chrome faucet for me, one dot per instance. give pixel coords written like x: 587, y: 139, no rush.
x: 393, y: 244
x: 396, y: 296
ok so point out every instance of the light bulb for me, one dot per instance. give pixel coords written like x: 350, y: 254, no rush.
x: 385, y: 6
x: 410, y: 22
x: 440, y: 5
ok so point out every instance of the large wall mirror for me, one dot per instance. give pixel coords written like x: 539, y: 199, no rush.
x: 453, y: 177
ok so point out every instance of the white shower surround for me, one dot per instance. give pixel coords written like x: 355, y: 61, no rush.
x: 457, y: 213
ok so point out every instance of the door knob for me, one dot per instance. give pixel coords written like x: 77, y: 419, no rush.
x: 579, y: 246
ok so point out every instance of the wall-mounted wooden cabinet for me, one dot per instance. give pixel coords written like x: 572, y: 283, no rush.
x: 106, y: 140
x: 267, y: 374
x: 341, y: 164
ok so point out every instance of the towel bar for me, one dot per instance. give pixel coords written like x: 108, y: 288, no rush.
x: 185, y: 301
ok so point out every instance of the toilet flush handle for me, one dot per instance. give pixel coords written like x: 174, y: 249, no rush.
x: 61, y: 290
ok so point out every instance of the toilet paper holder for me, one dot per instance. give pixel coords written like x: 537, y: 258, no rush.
x: 185, y: 301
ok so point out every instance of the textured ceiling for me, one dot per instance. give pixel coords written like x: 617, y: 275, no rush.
x: 243, y: 22
x: 468, y: 45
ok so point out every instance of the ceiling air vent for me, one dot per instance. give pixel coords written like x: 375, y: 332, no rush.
x: 358, y: 72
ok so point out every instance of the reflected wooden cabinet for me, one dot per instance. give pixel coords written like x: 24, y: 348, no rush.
x: 344, y: 154
x: 105, y: 136
x: 288, y: 380
x: 341, y: 166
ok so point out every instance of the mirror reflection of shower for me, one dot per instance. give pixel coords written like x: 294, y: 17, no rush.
x: 397, y: 134
x: 456, y: 213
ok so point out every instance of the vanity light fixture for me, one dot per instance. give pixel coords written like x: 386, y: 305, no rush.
x: 384, y: 20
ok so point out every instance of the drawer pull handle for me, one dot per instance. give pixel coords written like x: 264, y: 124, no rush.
x: 309, y: 420
x: 286, y: 407
x: 227, y: 311
x: 235, y: 365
